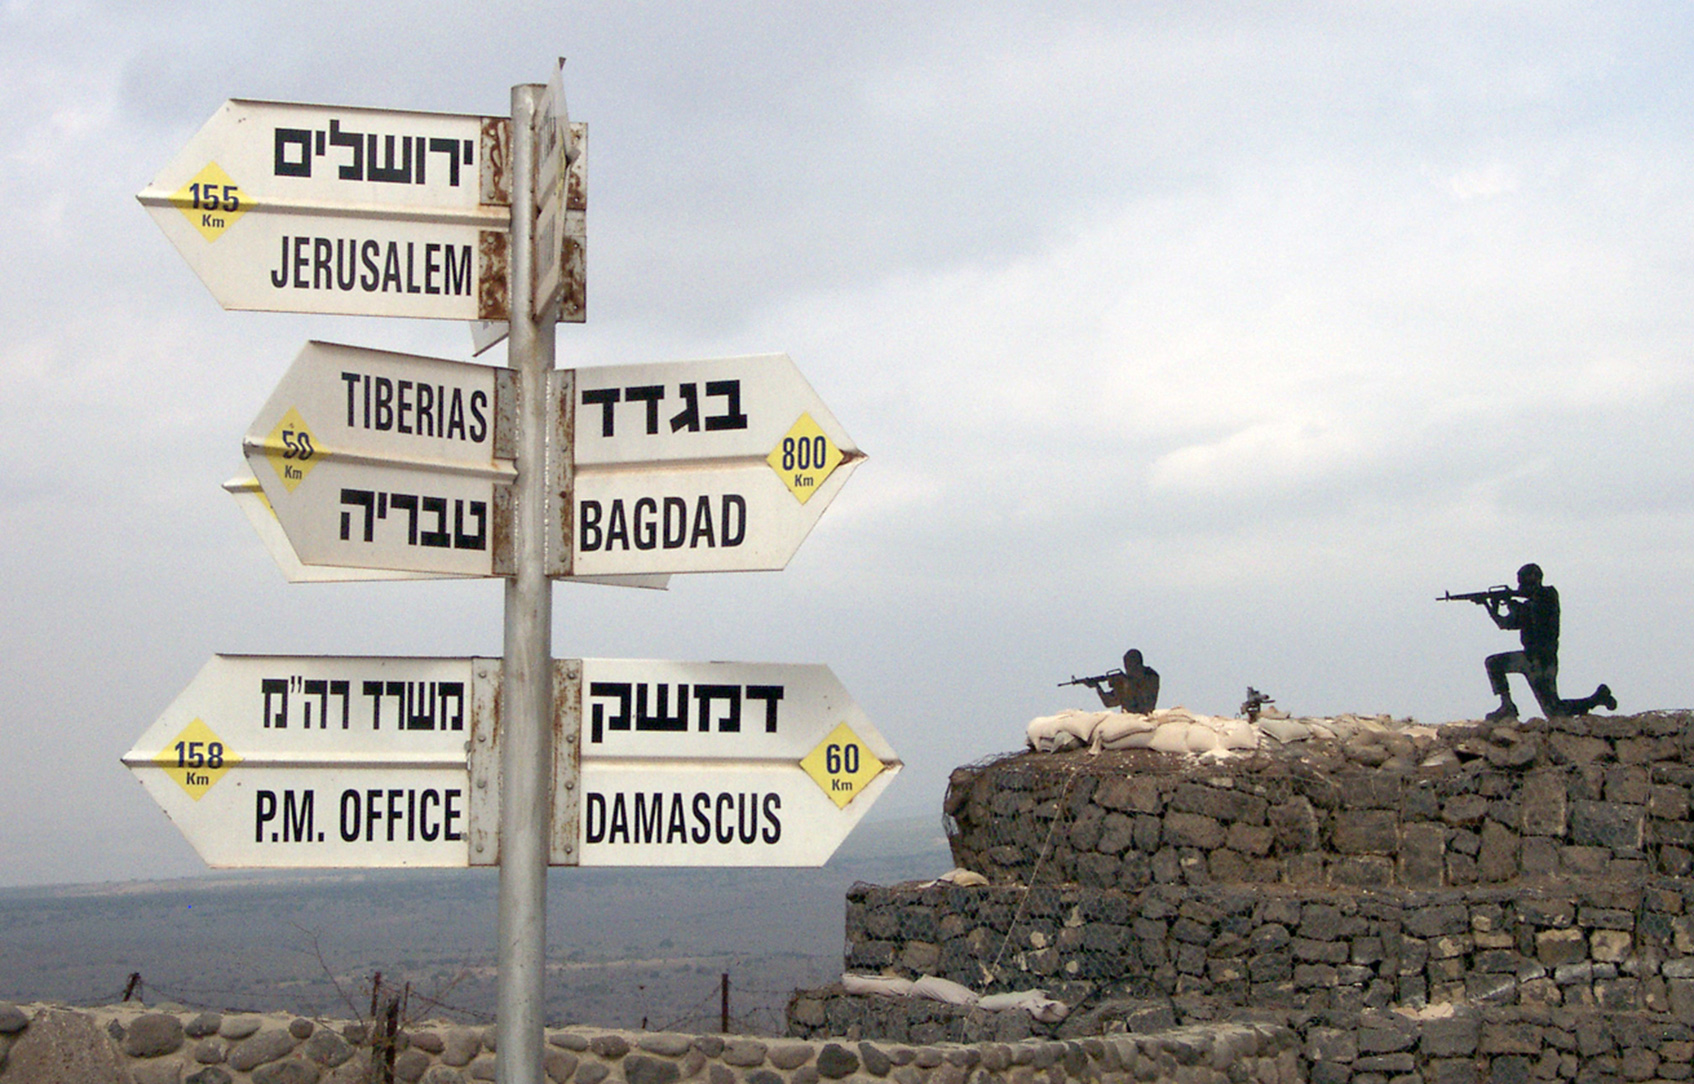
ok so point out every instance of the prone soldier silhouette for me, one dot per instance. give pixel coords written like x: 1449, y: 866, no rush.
x: 1134, y: 688
x: 1533, y: 610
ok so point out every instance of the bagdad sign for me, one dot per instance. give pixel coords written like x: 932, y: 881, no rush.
x: 388, y: 461
x: 284, y: 761
x: 286, y: 207
x: 721, y: 465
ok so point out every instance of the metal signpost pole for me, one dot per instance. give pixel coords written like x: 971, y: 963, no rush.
x: 526, y: 756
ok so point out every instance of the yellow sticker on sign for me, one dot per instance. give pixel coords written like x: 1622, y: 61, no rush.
x: 841, y: 765
x: 804, y: 458
x: 291, y: 449
x: 197, y: 759
x: 210, y: 201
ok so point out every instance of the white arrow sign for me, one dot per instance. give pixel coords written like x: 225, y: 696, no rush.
x: 304, y: 208
x: 561, y: 203
x: 280, y: 761
x: 300, y: 761
x: 700, y: 466
x: 722, y: 764
x: 388, y: 461
x: 250, y: 498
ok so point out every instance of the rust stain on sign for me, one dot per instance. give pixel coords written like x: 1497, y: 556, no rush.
x: 492, y: 262
x: 496, y: 162
x: 573, y: 271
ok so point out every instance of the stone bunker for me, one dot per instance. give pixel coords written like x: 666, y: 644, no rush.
x: 1399, y: 904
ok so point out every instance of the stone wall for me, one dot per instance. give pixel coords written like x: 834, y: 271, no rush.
x: 1456, y: 905
x: 1447, y: 1044
x: 1577, y: 944
x: 49, y: 1044
x: 1590, y: 797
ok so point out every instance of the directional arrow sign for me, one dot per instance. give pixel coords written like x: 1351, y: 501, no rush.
x: 387, y: 461
x: 300, y: 761
x: 286, y: 761
x: 561, y: 186
x: 722, y: 764
x: 306, y: 208
x: 698, y: 466
x: 250, y: 497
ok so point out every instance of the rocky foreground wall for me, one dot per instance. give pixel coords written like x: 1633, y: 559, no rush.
x: 47, y: 1044
x: 1445, y: 1044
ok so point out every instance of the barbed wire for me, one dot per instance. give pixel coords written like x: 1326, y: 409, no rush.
x: 760, y: 1009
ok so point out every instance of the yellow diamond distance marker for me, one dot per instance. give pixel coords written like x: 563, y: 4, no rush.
x: 804, y: 458
x: 197, y: 759
x: 291, y: 449
x: 841, y: 765
x: 210, y: 201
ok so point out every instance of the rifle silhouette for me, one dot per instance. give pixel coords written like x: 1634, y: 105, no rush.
x: 1092, y: 682
x: 1493, y: 595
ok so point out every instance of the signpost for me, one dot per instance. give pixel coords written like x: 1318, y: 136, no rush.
x: 371, y: 464
x: 698, y: 466
x: 329, y: 209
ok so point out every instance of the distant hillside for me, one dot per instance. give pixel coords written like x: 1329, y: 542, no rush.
x: 624, y: 945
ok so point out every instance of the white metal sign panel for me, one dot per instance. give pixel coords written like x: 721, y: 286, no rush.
x: 486, y: 334
x: 561, y: 237
x: 722, y: 764
x: 704, y: 466
x: 711, y: 519
x: 391, y: 461
x: 561, y: 185
x: 250, y: 498
x: 723, y: 408
x: 554, y: 150
x: 286, y: 207
x: 290, y: 761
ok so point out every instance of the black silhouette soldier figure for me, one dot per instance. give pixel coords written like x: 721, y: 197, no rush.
x: 1533, y: 610
x: 1136, y: 689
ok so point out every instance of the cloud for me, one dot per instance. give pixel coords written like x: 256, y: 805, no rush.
x: 1238, y: 333
x: 1486, y: 182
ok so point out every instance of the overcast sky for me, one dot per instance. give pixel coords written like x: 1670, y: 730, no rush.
x: 1236, y: 333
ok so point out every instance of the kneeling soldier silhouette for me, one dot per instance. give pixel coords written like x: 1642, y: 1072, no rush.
x: 1532, y: 610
